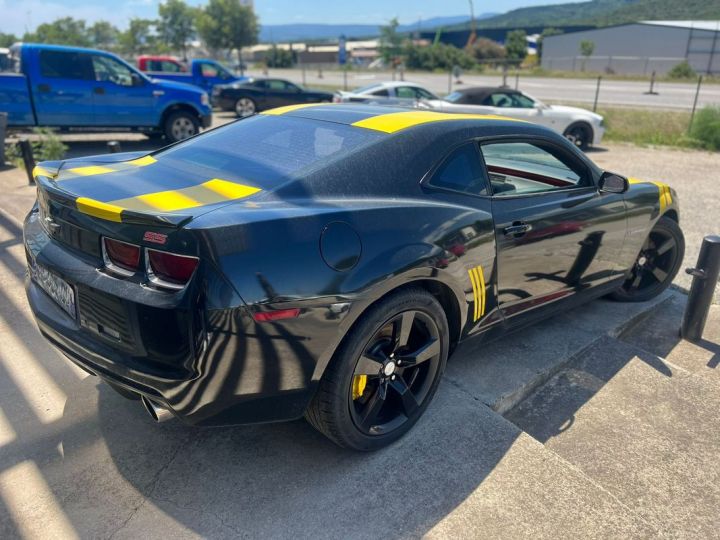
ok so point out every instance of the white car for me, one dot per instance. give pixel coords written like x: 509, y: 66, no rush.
x: 388, y: 93
x: 584, y: 128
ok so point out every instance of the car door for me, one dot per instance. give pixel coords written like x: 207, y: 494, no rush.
x: 406, y: 95
x: 211, y: 74
x: 557, y: 235
x: 63, y: 93
x: 120, y: 95
x: 280, y: 93
x: 467, y: 242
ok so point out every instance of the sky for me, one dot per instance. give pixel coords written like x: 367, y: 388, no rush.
x: 17, y: 16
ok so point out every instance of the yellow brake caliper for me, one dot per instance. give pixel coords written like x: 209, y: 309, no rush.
x: 358, y: 386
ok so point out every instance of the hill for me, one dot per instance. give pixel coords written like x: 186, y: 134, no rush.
x: 311, y: 32
x: 603, y: 13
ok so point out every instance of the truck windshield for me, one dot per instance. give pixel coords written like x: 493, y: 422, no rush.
x: 266, y: 150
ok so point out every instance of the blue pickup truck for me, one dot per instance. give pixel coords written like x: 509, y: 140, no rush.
x: 80, y: 89
x: 202, y: 72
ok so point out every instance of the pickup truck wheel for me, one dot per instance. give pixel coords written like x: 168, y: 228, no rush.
x: 181, y: 125
x: 580, y: 135
x: 245, y: 107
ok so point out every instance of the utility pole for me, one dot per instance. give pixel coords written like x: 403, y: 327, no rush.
x: 473, y: 32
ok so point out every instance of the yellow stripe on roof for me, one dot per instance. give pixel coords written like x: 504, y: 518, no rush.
x: 143, y: 161
x: 99, y: 209
x: 392, y: 122
x: 289, y: 108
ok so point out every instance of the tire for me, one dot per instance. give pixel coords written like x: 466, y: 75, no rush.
x: 371, y: 413
x: 580, y: 135
x: 657, y: 263
x: 181, y: 125
x: 245, y: 106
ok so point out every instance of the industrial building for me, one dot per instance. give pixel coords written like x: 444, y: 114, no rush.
x: 637, y: 48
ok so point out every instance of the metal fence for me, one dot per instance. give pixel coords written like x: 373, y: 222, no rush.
x: 613, y: 64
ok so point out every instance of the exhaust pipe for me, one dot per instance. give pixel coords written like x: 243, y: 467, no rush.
x: 156, y: 411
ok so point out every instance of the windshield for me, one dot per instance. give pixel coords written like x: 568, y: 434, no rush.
x: 267, y: 150
x: 452, y: 98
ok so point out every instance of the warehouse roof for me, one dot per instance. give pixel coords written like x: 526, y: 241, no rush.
x: 697, y: 25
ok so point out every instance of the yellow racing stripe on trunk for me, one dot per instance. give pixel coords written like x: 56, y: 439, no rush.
x: 393, y: 122
x: 99, y: 209
x: 143, y: 161
x: 90, y: 170
x: 211, y: 192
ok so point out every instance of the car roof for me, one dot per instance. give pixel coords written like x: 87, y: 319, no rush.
x: 480, y: 91
x: 382, y: 118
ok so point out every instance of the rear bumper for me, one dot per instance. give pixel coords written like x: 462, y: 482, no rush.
x: 209, y: 365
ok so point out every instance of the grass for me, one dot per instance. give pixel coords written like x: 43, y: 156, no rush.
x: 643, y: 127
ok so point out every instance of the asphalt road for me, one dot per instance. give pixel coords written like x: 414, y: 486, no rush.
x: 620, y: 93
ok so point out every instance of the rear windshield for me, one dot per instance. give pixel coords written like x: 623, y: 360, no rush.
x: 267, y: 150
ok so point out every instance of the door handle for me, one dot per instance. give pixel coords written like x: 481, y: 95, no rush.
x: 43, y: 87
x: 518, y: 228
x: 99, y: 90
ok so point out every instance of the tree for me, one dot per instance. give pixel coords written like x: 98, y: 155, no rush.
x: 437, y: 56
x: 547, y: 32
x: 587, y: 48
x: 226, y: 24
x: 279, y: 58
x: 64, y: 31
x: 137, y: 38
x: 516, y: 45
x: 390, y: 42
x: 6, y: 40
x: 103, y: 35
x: 176, y: 25
x: 485, y: 49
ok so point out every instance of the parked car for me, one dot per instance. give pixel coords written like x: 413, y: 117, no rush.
x: 160, y: 63
x: 582, y: 127
x: 202, y: 72
x: 257, y: 95
x: 73, y: 88
x: 308, y: 260
x: 387, y: 93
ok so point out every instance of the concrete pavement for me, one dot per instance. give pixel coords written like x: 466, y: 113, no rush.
x: 670, y: 95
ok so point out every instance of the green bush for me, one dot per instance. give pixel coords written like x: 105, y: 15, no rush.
x: 47, y: 147
x: 706, y: 128
x: 683, y: 70
x: 437, y: 56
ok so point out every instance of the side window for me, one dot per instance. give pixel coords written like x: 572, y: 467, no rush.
x: 65, y: 65
x: 519, y: 168
x: 110, y: 70
x: 170, y: 67
x: 383, y: 93
x: 523, y: 102
x: 462, y: 171
x: 208, y: 70
x: 407, y: 92
x: 499, y: 99
x: 276, y: 85
x: 424, y: 94
x: 259, y: 84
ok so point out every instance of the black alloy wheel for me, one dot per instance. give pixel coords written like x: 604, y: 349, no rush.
x: 384, y: 375
x: 657, y: 263
x: 579, y: 135
x: 394, y: 375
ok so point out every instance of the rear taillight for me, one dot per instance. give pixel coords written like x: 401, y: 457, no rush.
x: 121, y: 257
x: 169, y: 270
x: 164, y: 270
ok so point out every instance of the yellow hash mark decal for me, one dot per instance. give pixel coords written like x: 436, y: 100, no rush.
x: 143, y: 161
x: 168, y: 201
x: 392, y: 122
x: 90, y: 170
x: 290, y: 108
x: 99, y: 209
x: 477, y: 279
x: 664, y: 195
x: 230, y: 190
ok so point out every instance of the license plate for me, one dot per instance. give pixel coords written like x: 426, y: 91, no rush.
x: 57, y: 288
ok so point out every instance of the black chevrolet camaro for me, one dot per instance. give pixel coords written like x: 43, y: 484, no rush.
x: 325, y: 260
x: 250, y: 97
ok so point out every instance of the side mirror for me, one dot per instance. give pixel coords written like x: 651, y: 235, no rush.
x: 137, y: 80
x: 613, y: 183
